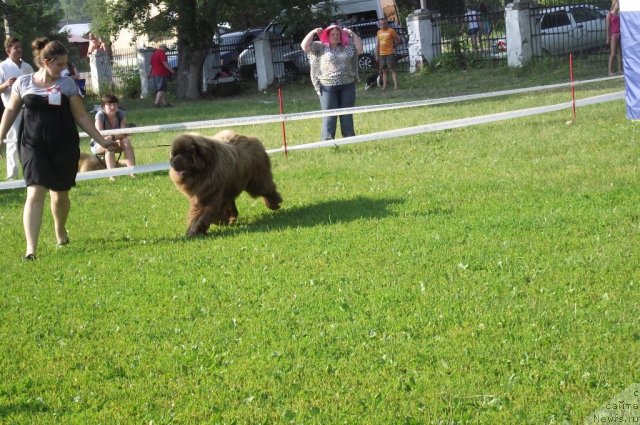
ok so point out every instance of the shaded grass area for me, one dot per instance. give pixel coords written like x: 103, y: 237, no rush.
x: 485, y: 274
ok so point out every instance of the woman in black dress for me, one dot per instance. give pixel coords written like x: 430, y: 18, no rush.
x: 48, y: 143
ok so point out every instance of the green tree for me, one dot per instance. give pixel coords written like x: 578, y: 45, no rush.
x: 75, y: 11
x: 447, y: 7
x: 29, y: 19
x: 193, y: 22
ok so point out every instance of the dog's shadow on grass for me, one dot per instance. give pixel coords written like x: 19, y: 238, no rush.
x: 318, y: 214
x: 28, y: 408
x: 323, y: 213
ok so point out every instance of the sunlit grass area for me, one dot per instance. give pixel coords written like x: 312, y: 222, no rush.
x: 480, y: 275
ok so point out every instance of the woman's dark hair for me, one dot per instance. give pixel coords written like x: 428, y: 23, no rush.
x: 108, y: 98
x: 45, y: 49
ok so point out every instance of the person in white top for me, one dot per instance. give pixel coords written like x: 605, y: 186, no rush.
x: 472, y: 21
x: 10, y: 69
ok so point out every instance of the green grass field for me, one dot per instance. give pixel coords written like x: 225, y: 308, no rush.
x: 480, y: 275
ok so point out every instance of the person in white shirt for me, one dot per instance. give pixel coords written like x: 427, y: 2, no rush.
x: 474, y: 27
x: 10, y: 69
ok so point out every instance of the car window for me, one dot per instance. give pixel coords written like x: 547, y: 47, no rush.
x: 584, y: 14
x: 276, y: 28
x: 554, y: 20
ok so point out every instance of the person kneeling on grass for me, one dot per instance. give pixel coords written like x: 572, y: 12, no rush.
x: 107, y: 118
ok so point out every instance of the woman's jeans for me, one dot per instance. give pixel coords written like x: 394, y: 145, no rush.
x: 335, y: 97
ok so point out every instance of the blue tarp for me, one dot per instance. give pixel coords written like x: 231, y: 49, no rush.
x: 630, y: 37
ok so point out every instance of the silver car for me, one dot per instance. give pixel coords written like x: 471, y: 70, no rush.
x: 571, y: 28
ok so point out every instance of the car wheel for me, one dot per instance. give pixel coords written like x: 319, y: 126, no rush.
x: 365, y: 62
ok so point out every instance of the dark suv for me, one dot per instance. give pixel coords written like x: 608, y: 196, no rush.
x: 231, y: 44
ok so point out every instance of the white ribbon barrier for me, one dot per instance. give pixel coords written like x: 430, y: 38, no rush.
x: 448, y: 125
x: 266, y: 119
x: 409, y: 131
x: 402, y: 132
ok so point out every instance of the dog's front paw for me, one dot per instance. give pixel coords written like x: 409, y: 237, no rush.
x: 273, y: 201
x: 193, y: 232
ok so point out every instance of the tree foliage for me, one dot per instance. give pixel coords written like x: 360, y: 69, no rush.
x: 193, y: 22
x: 29, y: 19
x: 447, y: 7
x: 458, y: 7
x: 75, y: 11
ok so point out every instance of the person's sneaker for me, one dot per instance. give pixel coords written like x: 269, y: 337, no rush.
x: 168, y: 105
x: 29, y: 257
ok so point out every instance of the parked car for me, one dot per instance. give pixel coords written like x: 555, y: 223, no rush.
x: 571, y: 28
x: 231, y: 44
x: 247, y: 58
x: 564, y: 29
x: 172, y: 53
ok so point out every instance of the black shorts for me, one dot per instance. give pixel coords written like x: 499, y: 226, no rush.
x: 387, y: 61
x: 160, y: 83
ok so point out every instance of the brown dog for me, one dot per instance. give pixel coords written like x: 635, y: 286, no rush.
x: 89, y: 162
x: 212, y: 172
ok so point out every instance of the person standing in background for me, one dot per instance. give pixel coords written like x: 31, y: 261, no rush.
x: 485, y: 25
x: 334, y: 72
x: 386, y: 41
x: 10, y: 69
x: 613, y: 36
x: 473, y: 26
x: 160, y: 73
x: 95, y: 44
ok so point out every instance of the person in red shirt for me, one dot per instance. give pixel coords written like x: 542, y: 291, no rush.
x: 160, y: 73
x: 386, y: 41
